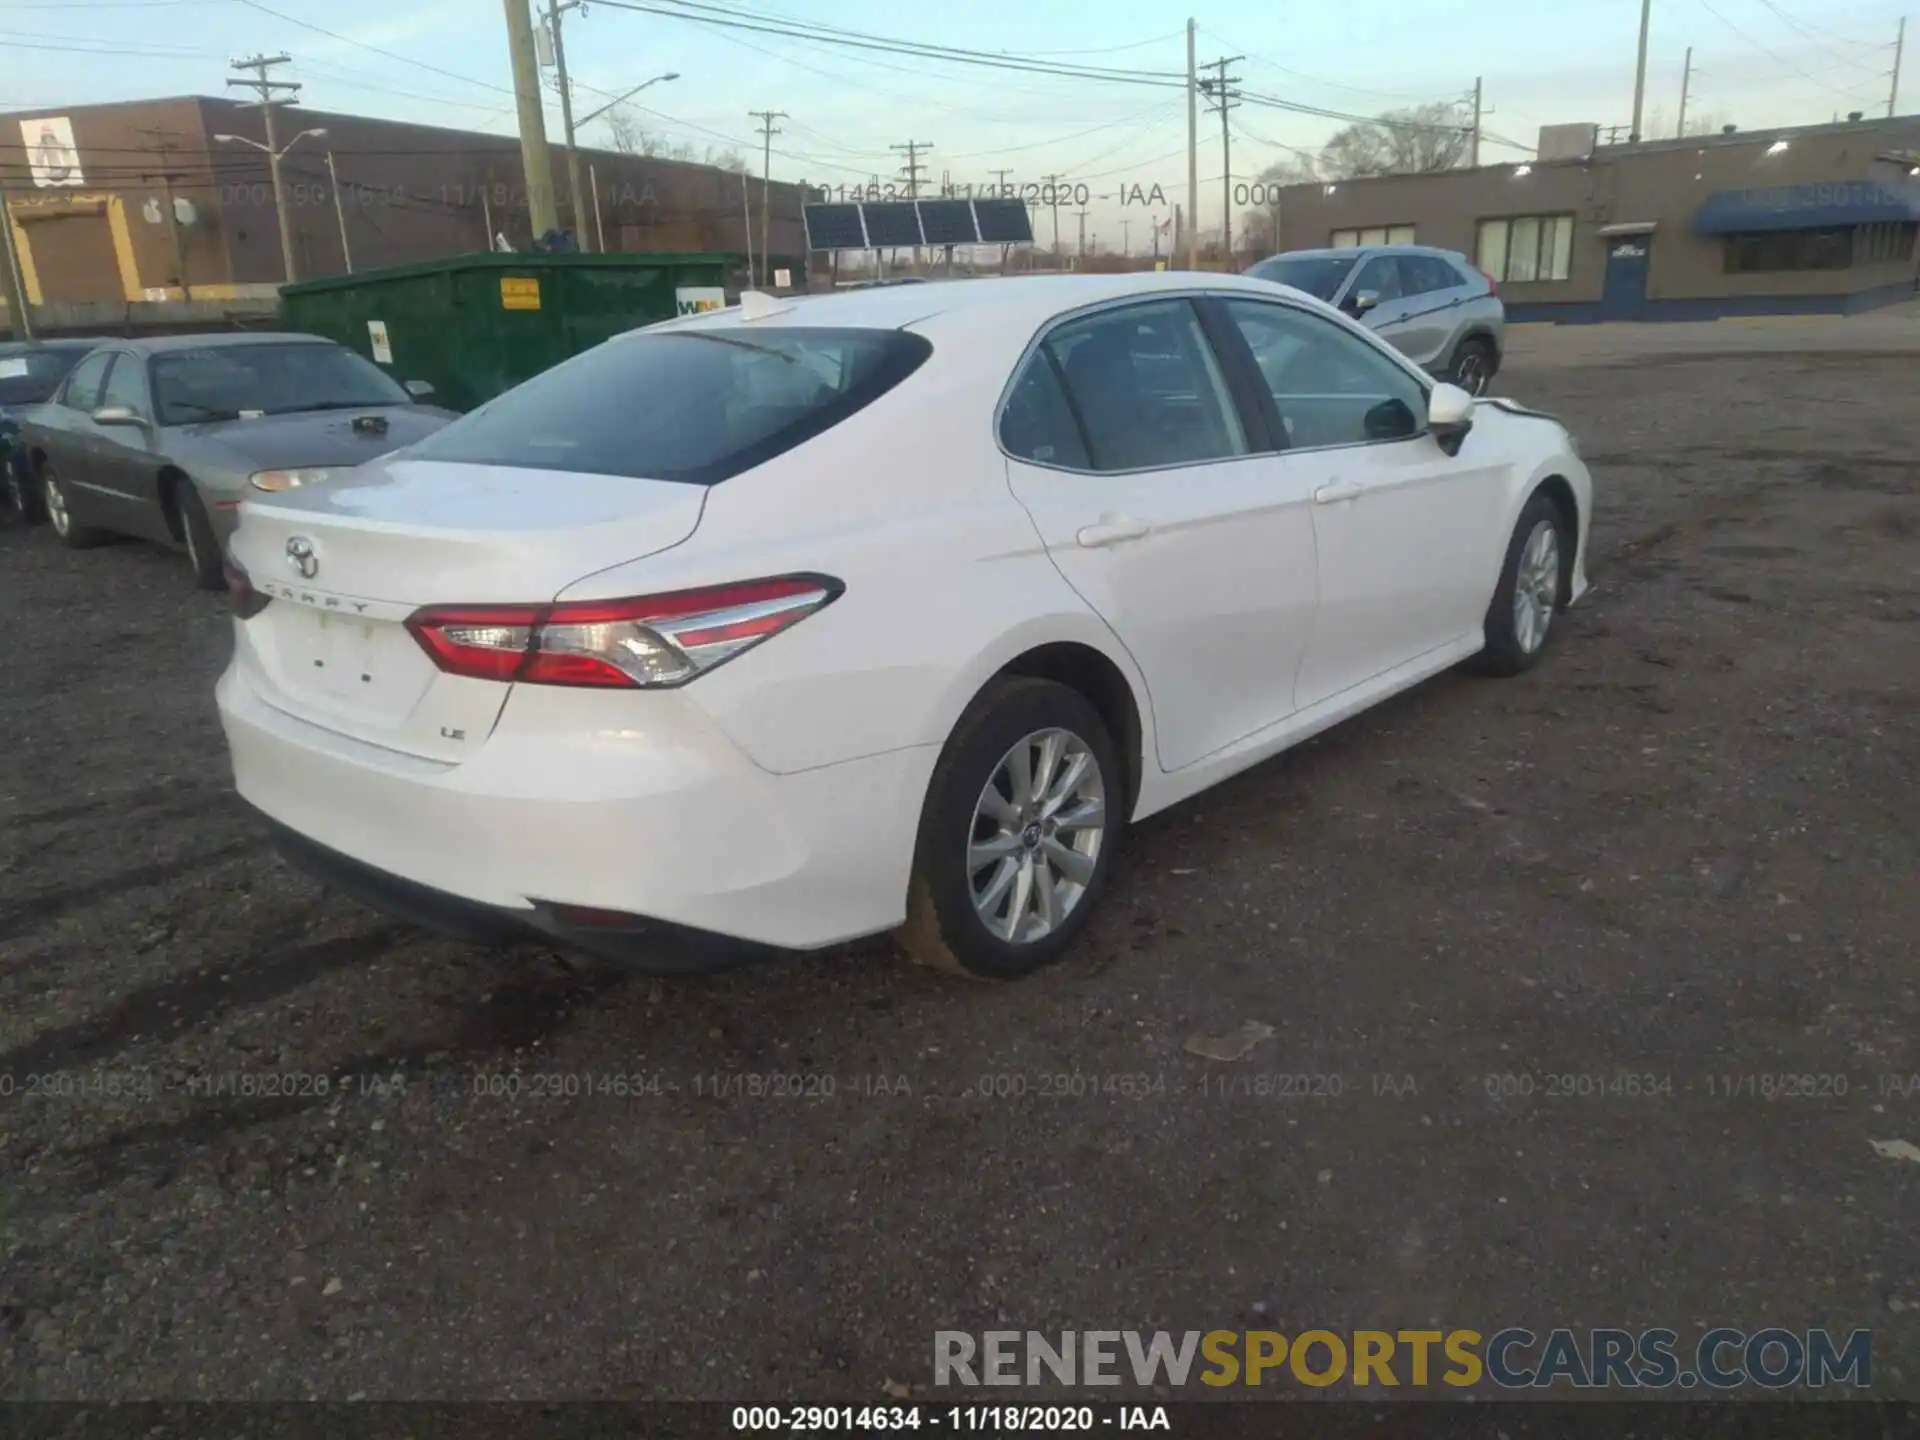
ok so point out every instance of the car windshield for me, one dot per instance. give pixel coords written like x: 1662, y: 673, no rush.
x: 224, y: 382
x: 30, y: 375
x: 696, y: 406
x: 1318, y: 275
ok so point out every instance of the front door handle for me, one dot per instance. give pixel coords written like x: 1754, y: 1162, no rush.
x: 1112, y: 530
x: 1335, y: 492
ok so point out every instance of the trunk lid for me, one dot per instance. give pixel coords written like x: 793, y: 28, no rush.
x: 347, y: 562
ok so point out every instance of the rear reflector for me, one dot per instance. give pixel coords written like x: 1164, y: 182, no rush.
x: 649, y: 642
x: 247, y: 602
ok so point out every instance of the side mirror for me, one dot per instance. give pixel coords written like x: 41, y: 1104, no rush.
x: 419, y: 389
x: 1358, y: 305
x: 116, y: 415
x: 1449, y: 416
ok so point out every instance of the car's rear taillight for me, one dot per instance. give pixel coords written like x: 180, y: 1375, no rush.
x: 247, y: 602
x: 648, y: 642
x: 1493, y: 285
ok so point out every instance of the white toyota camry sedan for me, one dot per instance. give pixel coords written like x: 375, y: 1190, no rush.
x: 809, y: 619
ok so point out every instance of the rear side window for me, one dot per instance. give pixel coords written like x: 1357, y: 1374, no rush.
x: 694, y: 406
x: 1038, y: 424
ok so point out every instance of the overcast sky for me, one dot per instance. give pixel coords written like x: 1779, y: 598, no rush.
x: 1758, y: 63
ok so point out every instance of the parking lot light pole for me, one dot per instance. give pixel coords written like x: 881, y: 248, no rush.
x: 273, y: 154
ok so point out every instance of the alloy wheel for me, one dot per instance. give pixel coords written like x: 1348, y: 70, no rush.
x: 1536, y: 586
x: 56, y: 505
x: 1036, y: 835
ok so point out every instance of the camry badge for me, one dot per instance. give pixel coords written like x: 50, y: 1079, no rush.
x: 301, y: 557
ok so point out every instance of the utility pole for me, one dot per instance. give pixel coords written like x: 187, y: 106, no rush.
x: 1686, y: 84
x: 767, y: 131
x: 1477, y: 80
x: 1220, y: 90
x: 910, y: 172
x: 1083, y: 232
x: 269, y: 92
x: 1193, y: 152
x: 534, y: 157
x: 1899, y: 54
x: 340, y: 214
x: 1000, y: 183
x: 1640, y: 72
x: 1126, y: 247
x: 1050, y: 190
x: 554, y: 9
x: 19, y: 317
x: 164, y: 141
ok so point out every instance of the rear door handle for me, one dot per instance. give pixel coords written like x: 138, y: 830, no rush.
x: 1112, y: 530
x: 1334, y: 493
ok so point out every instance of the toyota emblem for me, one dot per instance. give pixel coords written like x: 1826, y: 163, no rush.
x: 301, y: 557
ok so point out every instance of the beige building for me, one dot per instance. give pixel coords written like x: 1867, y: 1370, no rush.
x: 1817, y: 219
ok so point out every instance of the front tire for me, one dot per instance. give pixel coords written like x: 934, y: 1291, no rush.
x: 53, y: 496
x: 1473, y: 366
x: 203, y: 546
x: 1531, y: 591
x: 1021, y: 822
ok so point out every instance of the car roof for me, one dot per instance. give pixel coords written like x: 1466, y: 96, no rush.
x: 1013, y: 301
x: 163, y: 344
x: 1328, y: 251
x: 57, y: 342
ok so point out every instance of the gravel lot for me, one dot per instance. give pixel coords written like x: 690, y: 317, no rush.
x: 1687, y: 847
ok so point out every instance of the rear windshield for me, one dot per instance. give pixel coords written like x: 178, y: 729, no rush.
x: 695, y: 406
x: 223, y: 382
x: 29, y: 376
x: 1318, y: 275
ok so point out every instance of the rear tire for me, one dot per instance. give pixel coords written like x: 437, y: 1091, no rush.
x: 1004, y: 881
x: 21, y: 497
x: 203, y: 546
x: 1531, y: 592
x: 53, y: 495
x: 1472, y: 366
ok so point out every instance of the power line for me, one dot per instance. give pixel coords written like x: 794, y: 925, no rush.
x: 1780, y: 59
x: 375, y: 49
x: 727, y: 19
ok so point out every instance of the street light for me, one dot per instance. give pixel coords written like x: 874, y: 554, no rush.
x: 273, y: 154
x: 621, y: 100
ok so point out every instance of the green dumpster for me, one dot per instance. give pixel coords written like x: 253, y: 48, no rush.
x: 472, y: 326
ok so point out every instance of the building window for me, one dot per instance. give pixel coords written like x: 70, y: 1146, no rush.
x: 1375, y: 235
x: 1885, y: 243
x: 1522, y: 248
x: 1790, y: 250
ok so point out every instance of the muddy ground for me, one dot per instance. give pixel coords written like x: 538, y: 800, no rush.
x: 1686, y: 849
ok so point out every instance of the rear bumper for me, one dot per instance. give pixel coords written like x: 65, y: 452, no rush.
x: 660, y: 817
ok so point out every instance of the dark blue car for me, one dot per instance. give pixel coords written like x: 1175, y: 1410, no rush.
x: 30, y: 371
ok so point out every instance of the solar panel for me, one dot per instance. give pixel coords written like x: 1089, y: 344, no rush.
x: 894, y: 223
x: 948, y: 222
x: 834, y: 227
x: 1004, y: 222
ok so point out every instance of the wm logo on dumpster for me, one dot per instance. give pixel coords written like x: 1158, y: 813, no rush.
x: 698, y: 299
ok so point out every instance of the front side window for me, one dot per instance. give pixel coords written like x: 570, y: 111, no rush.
x: 1381, y: 275
x: 1523, y: 248
x: 693, y: 406
x: 225, y: 382
x: 1146, y: 387
x: 1330, y: 387
x: 127, y: 384
x: 83, y: 386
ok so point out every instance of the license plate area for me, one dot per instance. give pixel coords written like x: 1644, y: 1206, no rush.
x: 367, y: 669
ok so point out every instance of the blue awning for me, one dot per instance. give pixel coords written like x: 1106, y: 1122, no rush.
x: 1807, y: 207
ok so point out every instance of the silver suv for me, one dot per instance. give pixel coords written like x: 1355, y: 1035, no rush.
x: 1433, y: 305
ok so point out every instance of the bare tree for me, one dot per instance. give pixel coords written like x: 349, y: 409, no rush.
x: 623, y: 132
x: 1259, y: 228
x: 1415, y: 141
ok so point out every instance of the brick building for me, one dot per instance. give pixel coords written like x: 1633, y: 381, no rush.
x: 87, y: 190
x: 1813, y: 219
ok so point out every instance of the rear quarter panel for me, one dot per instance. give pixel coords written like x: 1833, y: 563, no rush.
x: 907, y: 504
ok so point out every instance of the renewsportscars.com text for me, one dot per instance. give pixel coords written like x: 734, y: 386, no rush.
x: 1514, y: 1358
